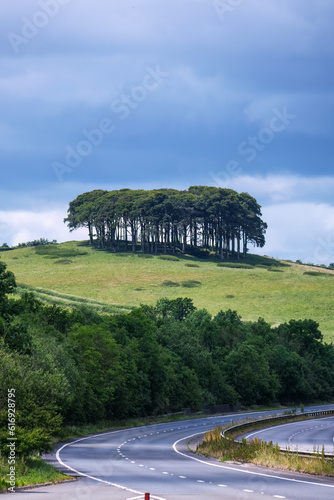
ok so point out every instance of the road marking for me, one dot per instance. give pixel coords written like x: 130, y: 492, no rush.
x: 124, y: 488
x: 261, y: 474
x: 248, y: 491
x: 183, y: 477
x: 278, y: 496
x: 222, y: 485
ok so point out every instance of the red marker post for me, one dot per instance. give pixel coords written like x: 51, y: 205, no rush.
x: 147, y: 496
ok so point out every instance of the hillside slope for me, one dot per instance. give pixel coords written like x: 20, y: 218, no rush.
x: 129, y: 280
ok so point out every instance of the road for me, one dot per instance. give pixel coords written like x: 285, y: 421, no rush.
x: 122, y: 465
x: 306, y: 436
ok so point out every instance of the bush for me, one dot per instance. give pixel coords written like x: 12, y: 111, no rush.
x: 54, y: 251
x: 274, y: 270
x: 63, y: 261
x: 235, y: 265
x: 317, y: 273
x: 192, y: 265
x: 191, y: 283
x: 168, y: 257
x: 170, y: 283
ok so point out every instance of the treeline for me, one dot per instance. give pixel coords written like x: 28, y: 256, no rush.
x: 34, y: 243
x: 76, y: 366
x: 167, y: 220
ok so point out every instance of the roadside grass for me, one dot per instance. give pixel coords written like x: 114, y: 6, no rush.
x: 122, y: 281
x: 30, y: 471
x: 262, y: 453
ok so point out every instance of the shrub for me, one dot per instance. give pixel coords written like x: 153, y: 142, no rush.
x: 192, y: 265
x: 63, y: 261
x: 230, y: 296
x: 191, y: 283
x: 168, y: 257
x: 170, y: 283
x: 317, y: 273
x: 274, y: 270
x: 235, y: 265
x: 56, y: 252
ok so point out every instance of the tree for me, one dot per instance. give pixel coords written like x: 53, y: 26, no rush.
x: 249, y: 373
x: 7, y: 286
x: 202, y: 217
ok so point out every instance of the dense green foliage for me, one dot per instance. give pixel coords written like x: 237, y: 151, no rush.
x: 77, y: 366
x: 166, y: 220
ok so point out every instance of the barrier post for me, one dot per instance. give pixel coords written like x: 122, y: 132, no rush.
x: 147, y: 496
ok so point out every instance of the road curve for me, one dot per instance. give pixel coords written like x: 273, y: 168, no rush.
x: 308, y: 435
x: 122, y: 465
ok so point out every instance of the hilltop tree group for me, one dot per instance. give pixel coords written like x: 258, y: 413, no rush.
x: 168, y: 220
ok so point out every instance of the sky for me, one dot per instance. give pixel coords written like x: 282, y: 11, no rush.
x: 110, y: 94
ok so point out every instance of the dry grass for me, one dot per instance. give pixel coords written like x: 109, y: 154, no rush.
x: 262, y: 453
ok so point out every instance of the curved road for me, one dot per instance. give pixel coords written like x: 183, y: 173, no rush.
x: 308, y: 435
x: 125, y: 464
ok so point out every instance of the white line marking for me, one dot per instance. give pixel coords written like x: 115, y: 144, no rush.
x: 240, y: 470
x: 124, y: 488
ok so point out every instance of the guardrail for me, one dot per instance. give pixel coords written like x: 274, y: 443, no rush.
x: 307, y: 415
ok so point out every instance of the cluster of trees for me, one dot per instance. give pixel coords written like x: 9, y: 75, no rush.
x: 167, y: 219
x: 34, y: 243
x: 76, y: 366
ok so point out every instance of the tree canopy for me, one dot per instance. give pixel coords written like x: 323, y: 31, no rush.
x: 168, y: 220
x: 75, y: 366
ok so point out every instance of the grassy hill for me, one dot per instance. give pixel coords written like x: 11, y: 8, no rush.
x: 71, y: 273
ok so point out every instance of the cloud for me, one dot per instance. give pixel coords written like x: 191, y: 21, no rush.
x: 303, y: 231
x: 226, y: 77
x: 283, y: 188
x: 23, y: 226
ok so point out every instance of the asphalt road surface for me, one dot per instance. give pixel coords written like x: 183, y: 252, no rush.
x: 309, y: 435
x: 125, y: 464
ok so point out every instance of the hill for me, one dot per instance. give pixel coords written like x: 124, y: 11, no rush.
x: 276, y: 291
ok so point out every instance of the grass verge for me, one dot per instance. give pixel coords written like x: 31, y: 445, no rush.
x: 262, y: 453
x: 30, y: 471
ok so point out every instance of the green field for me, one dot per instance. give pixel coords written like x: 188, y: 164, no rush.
x: 78, y: 272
